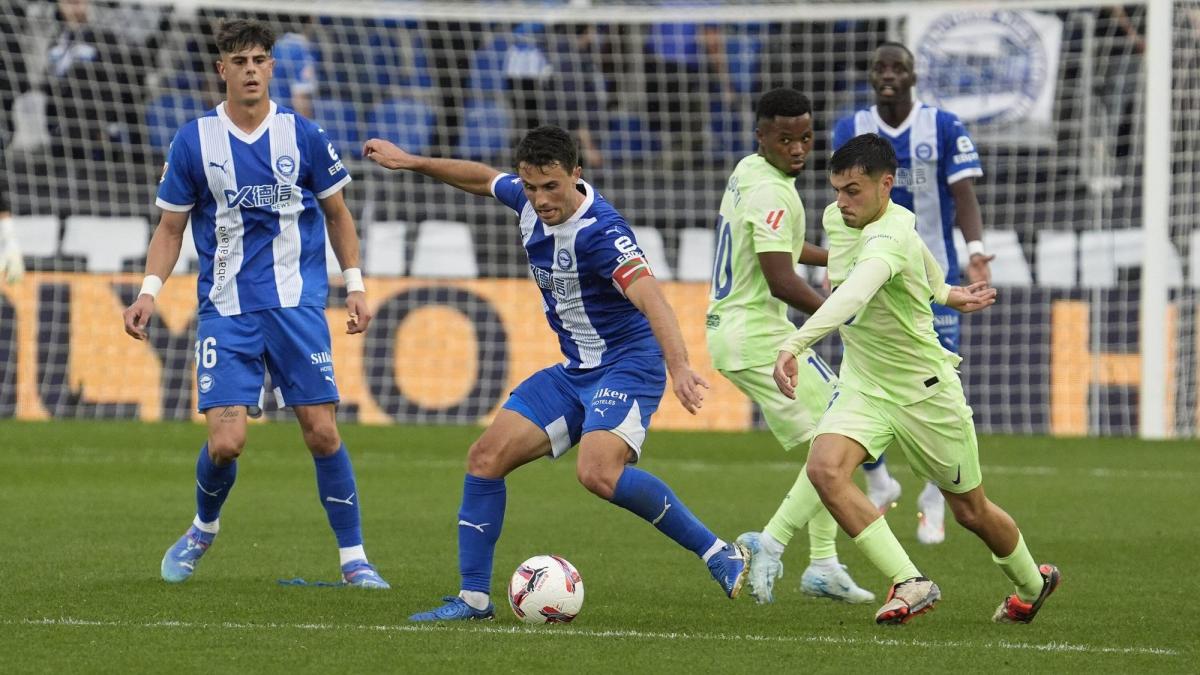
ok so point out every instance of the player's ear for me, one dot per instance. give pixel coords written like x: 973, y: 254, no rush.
x: 221, y: 68
x: 577, y: 172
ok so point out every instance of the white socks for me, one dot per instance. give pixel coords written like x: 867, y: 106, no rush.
x: 351, y: 553
x: 475, y: 599
x: 878, y: 480
x: 210, y: 528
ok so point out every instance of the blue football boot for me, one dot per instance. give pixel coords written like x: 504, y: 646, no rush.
x: 456, y: 609
x: 730, y: 566
x: 362, y: 574
x: 181, y: 559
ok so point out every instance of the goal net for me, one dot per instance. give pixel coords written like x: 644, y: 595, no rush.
x: 660, y: 96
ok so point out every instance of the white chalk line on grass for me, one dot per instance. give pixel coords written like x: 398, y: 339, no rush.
x: 690, y: 465
x: 1001, y: 644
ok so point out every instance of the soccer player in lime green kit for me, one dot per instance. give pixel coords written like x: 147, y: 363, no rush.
x: 899, y: 385
x: 760, y: 237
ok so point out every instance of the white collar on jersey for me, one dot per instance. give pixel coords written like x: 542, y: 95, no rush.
x: 238, y: 133
x: 908, y: 121
x: 589, y: 197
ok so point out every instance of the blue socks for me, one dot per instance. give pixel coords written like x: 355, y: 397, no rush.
x: 647, y: 496
x: 212, y: 485
x: 339, y: 496
x: 871, y: 466
x: 479, y: 520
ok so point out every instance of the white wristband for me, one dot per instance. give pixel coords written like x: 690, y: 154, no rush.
x: 354, y: 280
x: 975, y: 248
x: 151, y: 285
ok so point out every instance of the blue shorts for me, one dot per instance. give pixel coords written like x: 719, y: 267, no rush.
x: 569, y: 403
x: 293, y: 342
x: 946, y: 323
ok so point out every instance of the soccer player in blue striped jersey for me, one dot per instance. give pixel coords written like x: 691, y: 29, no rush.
x: 262, y: 186
x: 935, y: 180
x: 614, y: 328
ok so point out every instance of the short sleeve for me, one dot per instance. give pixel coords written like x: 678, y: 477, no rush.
x: 842, y: 132
x: 958, y: 156
x: 509, y: 191
x: 178, y: 189
x: 773, y: 217
x: 884, y: 245
x: 614, y: 254
x: 327, y: 173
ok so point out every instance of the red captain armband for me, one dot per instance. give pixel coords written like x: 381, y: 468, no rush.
x: 630, y: 271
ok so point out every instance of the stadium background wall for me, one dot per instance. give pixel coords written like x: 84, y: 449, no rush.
x: 450, y: 351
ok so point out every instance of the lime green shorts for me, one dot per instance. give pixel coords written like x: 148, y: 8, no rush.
x: 792, y: 421
x: 937, y: 435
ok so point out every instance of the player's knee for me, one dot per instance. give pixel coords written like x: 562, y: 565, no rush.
x: 484, y: 459
x: 823, y: 474
x: 968, y: 514
x: 226, y: 448
x: 600, y: 480
x: 323, y: 439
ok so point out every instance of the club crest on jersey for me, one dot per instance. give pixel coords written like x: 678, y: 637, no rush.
x: 286, y: 165
x: 204, y: 383
x: 924, y: 151
x: 564, y: 259
x: 274, y: 196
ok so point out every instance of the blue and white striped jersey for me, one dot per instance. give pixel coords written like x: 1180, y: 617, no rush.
x: 580, y: 267
x: 934, y: 152
x: 258, y: 228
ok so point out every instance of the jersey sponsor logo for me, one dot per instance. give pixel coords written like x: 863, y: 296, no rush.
x: 612, y: 394
x: 286, y: 165
x: 274, y: 196
x: 916, y: 178
x: 712, y: 320
x: 564, y: 259
x: 924, y: 151
x: 989, y: 67
x: 319, y: 358
x: 336, y: 167
x: 775, y: 218
x: 548, y: 281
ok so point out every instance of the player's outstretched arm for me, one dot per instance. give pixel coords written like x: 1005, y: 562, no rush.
x: 848, y: 300
x: 785, y: 284
x: 160, y: 260
x: 647, y: 296
x: 468, y: 176
x: 971, y: 298
x: 343, y: 239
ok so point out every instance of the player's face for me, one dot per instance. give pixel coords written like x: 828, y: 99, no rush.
x: 785, y: 142
x: 551, y: 190
x: 892, y: 75
x: 861, y: 198
x: 247, y: 74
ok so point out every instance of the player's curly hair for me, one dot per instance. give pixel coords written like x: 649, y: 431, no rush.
x: 782, y: 102
x: 871, y: 153
x: 234, y: 35
x: 548, y: 145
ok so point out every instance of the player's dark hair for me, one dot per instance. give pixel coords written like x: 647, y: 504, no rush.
x: 547, y: 145
x: 898, y: 45
x: 235, y: 35
x: 871, y: 153
x: 782, y: 102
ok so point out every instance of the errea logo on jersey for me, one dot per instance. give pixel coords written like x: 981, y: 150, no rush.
x: 275, y: 196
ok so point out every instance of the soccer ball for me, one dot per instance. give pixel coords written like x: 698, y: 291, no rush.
x: 545, y: 589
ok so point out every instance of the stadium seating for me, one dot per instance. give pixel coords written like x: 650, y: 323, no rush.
x: 444, y: 249
x: 487, y: 129
x: 697, y: 246
x: 1102, y: 254
x: 37, y: 235
x: 1056, y: 259
x: 651, y: 241
x: 385, y: 245
x: 166, y: 113
x: 105, y: 243
x: 340, y: 121
x: 408, y: 123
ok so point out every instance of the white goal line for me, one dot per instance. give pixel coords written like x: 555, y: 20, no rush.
x: 565, y: 631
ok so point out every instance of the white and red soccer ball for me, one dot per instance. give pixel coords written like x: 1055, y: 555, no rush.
x: 545, y: 589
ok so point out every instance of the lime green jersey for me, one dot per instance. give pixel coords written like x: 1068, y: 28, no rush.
x: 761, y: 212
x: 891, y: 348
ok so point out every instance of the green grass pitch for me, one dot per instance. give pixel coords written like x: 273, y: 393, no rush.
x: 87, y: 510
